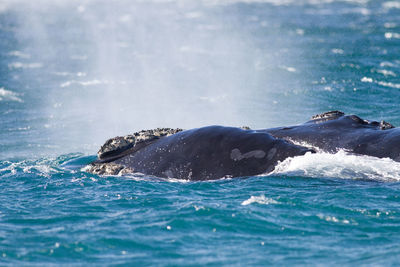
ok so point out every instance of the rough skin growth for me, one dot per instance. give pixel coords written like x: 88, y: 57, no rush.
x: 108, y: 169
x: 331, y: 115
x: 118, y: 145
x: 385, y: 125
x: 328, y: 115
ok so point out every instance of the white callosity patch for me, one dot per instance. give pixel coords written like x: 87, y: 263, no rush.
x: 341, y: 164
x: 108, y: 169
x: 236, y: 155
x: 125, y: 142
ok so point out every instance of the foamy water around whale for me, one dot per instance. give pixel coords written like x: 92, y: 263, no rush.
x: 74, y: 73
x: 341, y: 165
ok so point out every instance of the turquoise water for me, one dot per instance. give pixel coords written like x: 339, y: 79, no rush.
x: 74, y: 73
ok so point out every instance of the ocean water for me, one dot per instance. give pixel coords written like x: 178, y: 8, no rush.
x: 74, y: 73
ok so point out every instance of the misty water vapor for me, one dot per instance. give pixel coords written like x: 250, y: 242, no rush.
x: 110, y: 68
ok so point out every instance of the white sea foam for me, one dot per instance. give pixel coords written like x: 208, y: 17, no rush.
x: 367, y: 80
x: 391, y: 4
x: 291, y: 2
x: 175, y: 180
x: 392, y: 35
x: 389, y: 25
x: 337, y: 51
x: 90, y: 82
x: 386, y: 64
x: 334, y: 219
x: 83, y: 83
x: 65, y: 73
x: 19, y: 54
x: 382, y: 83
x: 260, y: 200
x: 8, y: 95
x: 289, y: 69
x: 20, y: 65
x: 213, y: 99
x: 340, y: 165
x: 386, y: 72
x: 197, y: 208
x: 41, y: 167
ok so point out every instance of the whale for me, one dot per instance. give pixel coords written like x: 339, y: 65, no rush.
x: 333, y: 131
x: 214, y: 152
x: 206, y: 153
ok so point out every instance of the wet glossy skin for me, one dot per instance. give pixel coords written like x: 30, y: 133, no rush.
x: 214, y: 152
x: 210, y: 153
x: 350, y: 133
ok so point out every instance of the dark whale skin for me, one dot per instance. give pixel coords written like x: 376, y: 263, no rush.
x: 210, y: 153
x: 216, y: 151
x: 345, y: 132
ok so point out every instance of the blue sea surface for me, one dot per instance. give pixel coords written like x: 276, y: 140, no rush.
x: 75, y: 73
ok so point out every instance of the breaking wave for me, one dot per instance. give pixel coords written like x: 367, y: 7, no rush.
x: 340, y: 165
